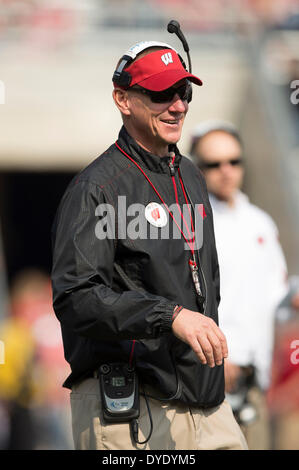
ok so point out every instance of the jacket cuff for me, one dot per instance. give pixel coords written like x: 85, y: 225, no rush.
x: 166, y: 318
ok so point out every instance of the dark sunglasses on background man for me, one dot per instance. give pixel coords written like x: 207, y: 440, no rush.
x: 211, y: 165
x: 166, y: 96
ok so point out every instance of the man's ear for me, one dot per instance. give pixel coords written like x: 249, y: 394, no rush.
x: 121, y: 99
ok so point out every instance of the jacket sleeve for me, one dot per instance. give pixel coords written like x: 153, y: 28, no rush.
x: 82, y: 276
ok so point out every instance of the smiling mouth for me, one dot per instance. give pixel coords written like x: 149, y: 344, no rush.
x: 176, y: 121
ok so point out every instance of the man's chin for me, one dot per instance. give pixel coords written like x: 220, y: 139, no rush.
x: 173, y: 139
x: 225, y: 197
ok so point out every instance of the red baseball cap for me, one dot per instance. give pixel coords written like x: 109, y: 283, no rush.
x: 159, y: 70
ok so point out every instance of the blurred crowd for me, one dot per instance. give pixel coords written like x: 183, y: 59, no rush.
x: 196, y: 15
x: 33, y: 404
x: 283, y: 394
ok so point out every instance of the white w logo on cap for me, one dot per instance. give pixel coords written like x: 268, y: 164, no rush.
x: 167, y: 58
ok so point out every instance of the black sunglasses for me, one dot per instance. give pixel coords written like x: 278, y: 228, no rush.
x: 210, y: 165
x: 166, y: 96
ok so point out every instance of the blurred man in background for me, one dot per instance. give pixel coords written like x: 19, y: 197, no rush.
x: 252, y: 271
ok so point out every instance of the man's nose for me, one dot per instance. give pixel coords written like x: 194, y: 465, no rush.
x: 226, y: 167
x: 178, y: 105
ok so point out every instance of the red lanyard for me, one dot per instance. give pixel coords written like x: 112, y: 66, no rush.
x: 177, y: 202
x: 192, y: 262
x: 191, y: 246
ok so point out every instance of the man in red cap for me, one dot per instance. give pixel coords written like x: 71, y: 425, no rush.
x: 137, y: 297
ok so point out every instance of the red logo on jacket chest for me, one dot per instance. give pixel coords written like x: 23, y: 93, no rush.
x: 155, y: 214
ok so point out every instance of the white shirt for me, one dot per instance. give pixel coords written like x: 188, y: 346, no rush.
x: 252, y: 281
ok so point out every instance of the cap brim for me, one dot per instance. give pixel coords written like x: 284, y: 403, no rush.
x: 162, y: 81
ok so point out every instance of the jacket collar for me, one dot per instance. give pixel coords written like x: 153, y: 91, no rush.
x: 146, y: 159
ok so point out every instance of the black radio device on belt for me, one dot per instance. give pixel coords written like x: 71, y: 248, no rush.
x: 119, y: 392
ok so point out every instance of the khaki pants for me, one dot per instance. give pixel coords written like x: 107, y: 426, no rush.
x: 174, y: 426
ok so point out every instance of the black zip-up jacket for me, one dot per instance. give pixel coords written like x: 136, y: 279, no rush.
x: 109, y: 291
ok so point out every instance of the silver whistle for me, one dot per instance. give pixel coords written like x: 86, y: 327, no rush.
x: 195, y: 277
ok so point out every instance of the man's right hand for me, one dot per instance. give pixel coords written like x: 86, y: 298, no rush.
x: 203, y: 336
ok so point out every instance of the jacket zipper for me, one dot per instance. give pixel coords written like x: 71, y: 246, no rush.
x: 194, y: 267
x: 199, y: 264
x: 191, y: 239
